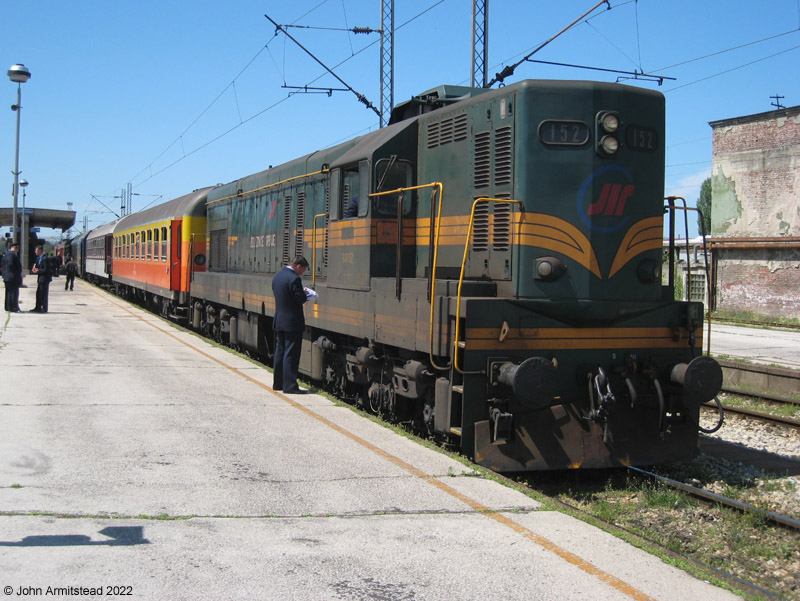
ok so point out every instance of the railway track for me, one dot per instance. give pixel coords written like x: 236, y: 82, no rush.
x: 714, y: 498
x: 767, y: 417
x: 774, y: 386
x: 658, y: 529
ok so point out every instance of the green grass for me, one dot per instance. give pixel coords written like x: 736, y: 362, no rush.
x: 749, y: 318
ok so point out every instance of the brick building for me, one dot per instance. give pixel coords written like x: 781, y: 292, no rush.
x: 755, y: 217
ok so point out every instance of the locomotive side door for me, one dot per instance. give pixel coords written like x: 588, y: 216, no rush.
x: 175, y: 255
x: 349, y: 228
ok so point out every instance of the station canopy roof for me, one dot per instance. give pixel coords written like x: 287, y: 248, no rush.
x: 52, y: 218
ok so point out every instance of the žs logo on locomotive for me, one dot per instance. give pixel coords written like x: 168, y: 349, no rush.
x: 604, y: 197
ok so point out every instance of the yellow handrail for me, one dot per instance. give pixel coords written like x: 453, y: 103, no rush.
x: 314, y: 249
x: 285, y: 181
x: 686, y: 209
x: 440, y: 188
x: 463, y: 268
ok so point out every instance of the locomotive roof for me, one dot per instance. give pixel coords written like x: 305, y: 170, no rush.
x: 192, y: 204
x: 367, y: 144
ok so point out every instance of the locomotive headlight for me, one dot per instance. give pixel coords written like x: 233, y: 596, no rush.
x: 609, y: 144
x: 609, y: 122
x: 548, y: 268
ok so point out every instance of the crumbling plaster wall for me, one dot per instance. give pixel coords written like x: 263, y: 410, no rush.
x: 756, y: 194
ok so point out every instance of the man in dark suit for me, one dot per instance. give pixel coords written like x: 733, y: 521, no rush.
x: 288, y: 324
x: 41, y: 267
x: 12, y: 277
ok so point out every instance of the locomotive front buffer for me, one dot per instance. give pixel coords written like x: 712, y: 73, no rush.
x: 566, y: 397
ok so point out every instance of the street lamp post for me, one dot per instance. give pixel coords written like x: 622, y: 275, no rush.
x: 19, y: 74
x: 24, y: 231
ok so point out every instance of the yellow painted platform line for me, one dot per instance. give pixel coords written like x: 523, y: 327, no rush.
x: 543, y: 542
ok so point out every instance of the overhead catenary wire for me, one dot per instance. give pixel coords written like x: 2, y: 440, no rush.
x: 153, y: 172
x: 264, y: 47
x: 361, y: 98
x: 732, y: 69
x: 509, y: 70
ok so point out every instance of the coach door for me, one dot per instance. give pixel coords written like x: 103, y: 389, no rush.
x: 175, y: 255
x: 109, y: 252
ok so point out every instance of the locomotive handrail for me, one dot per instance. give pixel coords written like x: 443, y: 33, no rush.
x: 314, y: 248
x: 463, y: 268
x: 284, y: 181
x: 670, y: 200
x: 438, y: 187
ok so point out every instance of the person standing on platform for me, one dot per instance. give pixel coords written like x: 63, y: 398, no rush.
x: 12, y: 277
x: 289, y: 324
x: 41, y: 267
x: 72, y: 270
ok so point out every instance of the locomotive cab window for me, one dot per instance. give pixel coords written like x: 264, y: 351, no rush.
x: 353, y: 190
x: 392, y: 174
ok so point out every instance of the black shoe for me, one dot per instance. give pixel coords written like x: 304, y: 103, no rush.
x: 35, y: 311
x: 297, y: 391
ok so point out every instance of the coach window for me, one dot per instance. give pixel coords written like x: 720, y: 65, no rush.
x: 149, y: 244
x: 164, y: 245
x: 156, y: 245
x: 136, y: 247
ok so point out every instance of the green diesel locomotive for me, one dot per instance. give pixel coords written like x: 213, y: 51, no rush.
x: 489, y: 271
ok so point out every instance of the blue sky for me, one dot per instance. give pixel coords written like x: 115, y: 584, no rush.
x: 173, y: 96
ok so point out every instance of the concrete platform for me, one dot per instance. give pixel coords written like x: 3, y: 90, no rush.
x: 138, y: 456
x: 766, y: 346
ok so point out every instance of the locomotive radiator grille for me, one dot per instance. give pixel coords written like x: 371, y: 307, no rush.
x: 287, y: 219
x: 501, y: 230
x: 483, y: 159
x: 502, y: 156
x: 300, y: 223
x: 480, y: 228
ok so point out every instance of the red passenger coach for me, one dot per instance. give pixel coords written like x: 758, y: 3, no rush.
x: 153, y: 252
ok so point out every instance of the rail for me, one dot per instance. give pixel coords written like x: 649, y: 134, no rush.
x: 765, y: 417
x: 719, y: 499
x: 457, y: 336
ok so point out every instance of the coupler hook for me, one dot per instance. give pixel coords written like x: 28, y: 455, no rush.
x: 605, y: 397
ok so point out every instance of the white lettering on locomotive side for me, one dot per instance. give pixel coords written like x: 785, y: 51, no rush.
x: 263, y: 241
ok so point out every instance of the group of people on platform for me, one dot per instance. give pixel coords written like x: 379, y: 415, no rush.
x: 287, y: 288
x: 44, y: 270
